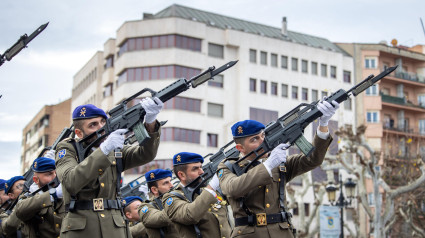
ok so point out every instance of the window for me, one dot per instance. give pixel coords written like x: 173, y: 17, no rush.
x: 215, y: 50
x: 263, y: 86
x: 421, y: 99
x: 324, y: 94
x: 294, y: 64
x: 294, y: 92
x: 252, y: 56
x: 215, y: 110
x: 212, y: 140
x: 314, y: 68
x: 370, y: 63
x: 307, y: 209
x: 107, y: 90
x: 183, y: 103
x: 304, y: 94
x: 324, y: 70
x: 372, y: 117
x: 262, y: 115
x: 348, y: 104
x: 314, y: 95
x: 263, y: 58
x: 304, y: 66
x: 284, y: 62
x: 347, y: 76
x: 284, y: 90
x: 109, y: 62
x: 252, y: 85
x: 422, y: 127
x: 216, y: 82
x: 273, y: 60
x: 273, y: 88
x: 372, y: 90
x: 333, y: 72
x: 180, y: 134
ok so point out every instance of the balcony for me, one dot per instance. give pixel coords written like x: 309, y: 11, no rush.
x: 409, y: 78
x: 401, y: 103
x: 406, y: 130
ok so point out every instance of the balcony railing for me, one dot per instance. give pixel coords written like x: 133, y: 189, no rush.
x: 404, y: 129
x: 408, y: 76
x: 400, y: 101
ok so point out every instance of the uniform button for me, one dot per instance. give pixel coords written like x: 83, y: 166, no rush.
x: 123, y: 222
x: 267, y: 205
x: 54, y: 213
x: 209, y: 209
x: 102, y: 185
x: 267, y: 190
x: 279, y: 179
x: 57, y: 225
x: 100, y: 170
x: 239, y: 231
x: 221, y: 226
x: 69, y: 227
x: 44, y: 204
x: 216, y: 215
x: 259, y: 186
x: 102, y: 215
x: 114, y: 163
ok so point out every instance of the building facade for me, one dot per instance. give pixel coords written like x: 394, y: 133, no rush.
x: 43, y: 130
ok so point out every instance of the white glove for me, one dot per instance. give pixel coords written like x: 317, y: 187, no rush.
x: 59, y: 193
x: 152, y: 107
x: 114, y: 141
x: 277, y: 157
x: 214, y: 183
x: 50, y: 154
x: 327, y: 110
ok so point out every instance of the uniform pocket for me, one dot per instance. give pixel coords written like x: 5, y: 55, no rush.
x: 118, y: 220
x: 284, y: 225
x: 242, y: 230
x: 74, y: 223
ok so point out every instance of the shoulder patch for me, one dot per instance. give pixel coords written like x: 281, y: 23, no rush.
x: 62, y: 153
x: 220, y: 173
x: 169, y: 201
x: 145, y: 209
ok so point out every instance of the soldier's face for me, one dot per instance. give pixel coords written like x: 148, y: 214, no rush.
x: 251, y: 143
x: 163, y: 186
x: 17, y: 188
x: 133, y: 214
x: 194, y: 170
x: 42, y: 179
x: 89, y: 126
x: 3, y: 197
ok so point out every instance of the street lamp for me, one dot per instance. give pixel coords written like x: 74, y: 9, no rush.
x: 342, y: 202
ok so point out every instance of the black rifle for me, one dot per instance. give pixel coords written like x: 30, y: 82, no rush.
x: 209, y: 170
x: 20, y: 44
x: 132, y: 118
x: 66, y: 132
x: 132, y: 188
x: 290, y: 127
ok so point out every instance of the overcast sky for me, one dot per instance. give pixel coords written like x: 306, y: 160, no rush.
x: 42, y: 74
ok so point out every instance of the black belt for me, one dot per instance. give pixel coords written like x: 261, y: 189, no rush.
x: 260, y: 219
x: 97, y: 204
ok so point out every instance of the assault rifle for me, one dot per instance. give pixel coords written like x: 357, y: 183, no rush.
x: 132, y: 188
x: 290, y: 127
x: 132, y: 118
x: 209, y: 170
x: 20, y: 44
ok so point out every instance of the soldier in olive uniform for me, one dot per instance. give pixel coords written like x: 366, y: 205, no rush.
x: 10, y: 223
x: 3, y: 196
x: 131, y: 211
x: 206, y: 215
x: 91, y: 187
x: 257, y: 197
x: 152, y: 215
x: 42, y: 212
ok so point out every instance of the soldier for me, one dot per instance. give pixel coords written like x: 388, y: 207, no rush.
x: 10, y: 223
x: 3, y: 195
x: 131, y: 208
x: 43, y: 211
x: 91, y: 188
x: 152, y: 215
x: 206, y: 216
x: 257, y: 197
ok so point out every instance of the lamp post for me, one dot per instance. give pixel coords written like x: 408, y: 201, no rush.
x: 342, y: 202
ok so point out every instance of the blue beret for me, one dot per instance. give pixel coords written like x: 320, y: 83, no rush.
x: 9, y: 183
x: 43, y: 164
x: 157, y: 174
x: 246, y: 128
x: 2, y: 182
x: 87, y: 111
x: 128, y: 200
x: 187, y: 158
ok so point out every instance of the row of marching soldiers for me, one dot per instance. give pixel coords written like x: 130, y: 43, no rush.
x: 87, y: 201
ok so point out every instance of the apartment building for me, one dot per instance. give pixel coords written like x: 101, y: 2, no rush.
x: 43, y: 130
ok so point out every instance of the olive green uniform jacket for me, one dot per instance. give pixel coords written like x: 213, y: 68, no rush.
x: 138, y: 230
x: 10, y: 224
x: 155, y: 219
x: 38, y: 212
x: 96, y: 177
x: 261, y: 191
x: 205, y: 211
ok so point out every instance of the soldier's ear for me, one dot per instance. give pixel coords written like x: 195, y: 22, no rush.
x: 79, y: 133
x: 240, y: 148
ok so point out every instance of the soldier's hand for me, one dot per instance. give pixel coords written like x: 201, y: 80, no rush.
x: 152, y: 107
x: 327, y: 110
x: 277, y: 157
x: 114, y: 141
x: 214, y: 183
x: 59, y: 191
x: 50, y: 154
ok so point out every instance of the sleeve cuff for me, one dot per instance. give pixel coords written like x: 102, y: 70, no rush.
x: 322, y: 135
